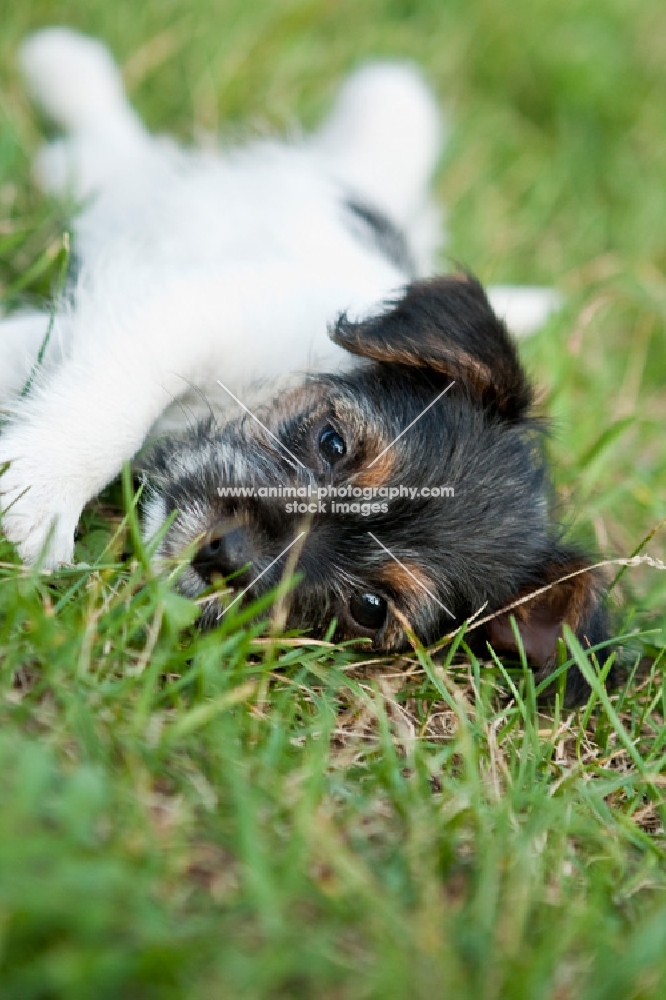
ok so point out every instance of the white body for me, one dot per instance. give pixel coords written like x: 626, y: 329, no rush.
x: 194, y: 267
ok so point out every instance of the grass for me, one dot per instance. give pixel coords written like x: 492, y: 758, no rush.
x: 233, y: 816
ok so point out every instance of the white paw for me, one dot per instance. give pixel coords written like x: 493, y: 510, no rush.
x: 72, y: 77
x: 524, y: 308
x: 39, y: 510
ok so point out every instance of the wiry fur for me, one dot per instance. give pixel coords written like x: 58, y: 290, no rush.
x: 490, y: 542
x: 194, y: 266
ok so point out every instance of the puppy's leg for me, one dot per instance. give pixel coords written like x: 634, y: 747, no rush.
x: 76, y: 83
x: 134, y: 348
x: 383, y: 139
x: 524, y: 309
x: 69, y: 437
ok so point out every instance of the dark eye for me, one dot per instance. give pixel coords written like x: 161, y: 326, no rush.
x: 368, y: 610
x: 331, y: 446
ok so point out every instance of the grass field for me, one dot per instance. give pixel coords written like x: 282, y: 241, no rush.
x: 227, y: 816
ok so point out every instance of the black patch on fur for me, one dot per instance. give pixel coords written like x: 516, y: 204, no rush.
x: 377, y: 229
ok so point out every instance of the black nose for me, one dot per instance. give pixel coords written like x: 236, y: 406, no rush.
x: 226, y: 555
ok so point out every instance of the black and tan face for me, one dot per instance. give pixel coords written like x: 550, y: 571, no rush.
x: 418, y: 505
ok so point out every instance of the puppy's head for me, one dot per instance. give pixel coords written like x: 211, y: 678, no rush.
x: 418, y: 481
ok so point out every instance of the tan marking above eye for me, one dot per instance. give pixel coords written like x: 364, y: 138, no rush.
x: 377, y: 475
x: 309, y: 401
x: 408, y: 581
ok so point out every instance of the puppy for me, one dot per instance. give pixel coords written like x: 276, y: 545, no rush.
x: 199, y: 275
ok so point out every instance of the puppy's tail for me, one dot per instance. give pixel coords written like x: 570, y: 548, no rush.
x: 383, y: 139
x: 76, y: 83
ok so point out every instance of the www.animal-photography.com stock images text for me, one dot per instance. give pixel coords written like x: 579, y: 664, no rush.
x: 332, y: 500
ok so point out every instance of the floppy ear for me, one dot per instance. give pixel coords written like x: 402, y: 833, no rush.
x: 447, y: 326
x: 576, y: 602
